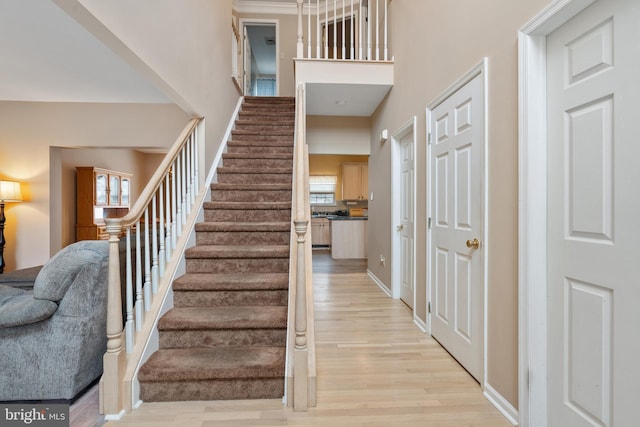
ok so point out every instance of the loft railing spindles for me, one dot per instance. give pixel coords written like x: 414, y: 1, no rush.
x: 386, y: 30
x: 352, y: 51
x: 309, y: 29
x: 300, y: 42
x: 175, y: 204
x: 318, y: 28
x: 335, y: 30
x: 344, y: 22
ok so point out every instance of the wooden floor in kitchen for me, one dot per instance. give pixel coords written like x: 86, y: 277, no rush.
x: 375, y: 368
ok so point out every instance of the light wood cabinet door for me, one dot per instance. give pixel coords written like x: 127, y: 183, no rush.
x: 320, y: 232
x: 355, y: 181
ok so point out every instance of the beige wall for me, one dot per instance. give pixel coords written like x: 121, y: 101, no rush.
x: 183, y: 47
x: 28, y: 130
x: 338, y: 135
x: 434, y: 43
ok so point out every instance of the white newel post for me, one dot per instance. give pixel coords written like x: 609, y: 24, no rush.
x: 300, y: 386
x: 114, y: 357
x: 300, y: 44
x: 300, y: 373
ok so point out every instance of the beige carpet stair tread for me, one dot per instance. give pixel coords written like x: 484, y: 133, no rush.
x: 251, y: 187
x: 221, y: 204
x: 231, y: 282
x: 196, y: 318
x: 238, y: 251
x: 258, y: 171
x: 243, y: 226
x: 214, y: 363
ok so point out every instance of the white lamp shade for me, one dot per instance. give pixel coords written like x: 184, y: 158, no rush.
x: 10, y: 191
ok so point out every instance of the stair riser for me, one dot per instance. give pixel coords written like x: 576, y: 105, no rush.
x: 242, y: 238
x: 267, y: 388
x: 224, y: 337
x: 257, y: 148
x: 251, y: 195
x: 248, y: 215
x: 230, y: 298
x: 254, y: 178
x: 256, y: 163
x: 237, y: 265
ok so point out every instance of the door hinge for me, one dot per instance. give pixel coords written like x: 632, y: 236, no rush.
x: 429, y: 307
x: 429, y: 138
x: 429, y: 223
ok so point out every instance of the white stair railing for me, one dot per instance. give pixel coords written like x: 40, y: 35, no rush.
x: 343, y: 29
x: 145, y: 244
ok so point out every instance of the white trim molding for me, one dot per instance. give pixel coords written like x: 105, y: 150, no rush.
x: 379, y: 282
x: 502, y: 404
x: 532, y: 208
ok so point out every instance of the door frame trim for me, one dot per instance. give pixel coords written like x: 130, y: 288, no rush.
x: 242, y: 22
x: 408, y: 127
x: 532, y: 204
x: 481, y: 70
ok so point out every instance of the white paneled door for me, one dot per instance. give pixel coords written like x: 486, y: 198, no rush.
x: 456, y: 250
x: 593, y: 286
x: 406, y: 226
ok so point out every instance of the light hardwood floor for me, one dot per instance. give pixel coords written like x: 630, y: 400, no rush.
x: 375, y: 368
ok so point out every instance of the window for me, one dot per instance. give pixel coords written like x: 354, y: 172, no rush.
x: 322, y: 189
x: 265, y: 87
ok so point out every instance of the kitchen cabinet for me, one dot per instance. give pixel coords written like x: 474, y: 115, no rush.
x: 320, y: 232
x: 355, y: 181
x: 100, y: 194
x: 349, y: 238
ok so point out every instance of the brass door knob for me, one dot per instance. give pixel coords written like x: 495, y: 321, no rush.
x: 475, y: 243
x: 400, y: 227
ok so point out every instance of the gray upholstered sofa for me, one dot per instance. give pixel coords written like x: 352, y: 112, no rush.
x: 53, y: 338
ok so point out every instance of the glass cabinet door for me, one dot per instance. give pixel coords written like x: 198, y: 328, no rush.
x: 101, y: 189
x: 125, y: 192
x: 114, y: 190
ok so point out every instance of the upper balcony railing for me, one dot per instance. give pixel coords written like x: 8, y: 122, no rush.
x: 354, y: 30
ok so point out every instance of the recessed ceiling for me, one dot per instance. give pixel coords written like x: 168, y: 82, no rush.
x: 47, y: 56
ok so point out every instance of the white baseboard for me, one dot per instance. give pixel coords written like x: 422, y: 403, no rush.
x: 421, y: 324
x: 379, y: 283
x: 497, y: 400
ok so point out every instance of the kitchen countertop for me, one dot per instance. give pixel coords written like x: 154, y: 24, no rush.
x: 340, y: 218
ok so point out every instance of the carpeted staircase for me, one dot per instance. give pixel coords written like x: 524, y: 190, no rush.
x: 225, y: 337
